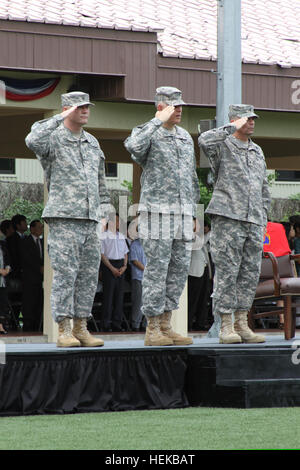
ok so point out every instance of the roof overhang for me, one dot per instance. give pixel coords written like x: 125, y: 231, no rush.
x: 125, y: 66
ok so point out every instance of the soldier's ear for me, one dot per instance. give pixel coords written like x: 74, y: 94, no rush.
x: 160, y: 107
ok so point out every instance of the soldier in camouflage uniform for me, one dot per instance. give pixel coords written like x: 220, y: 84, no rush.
x: 238, y: 209
x: 169, y: 194
x: 73, y: 163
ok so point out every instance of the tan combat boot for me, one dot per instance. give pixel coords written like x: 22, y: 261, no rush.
x: 227, y: 334
x: 81, y: 332
x: 166, y: 329
x: 65, y: 337
x: 154, y: 336
x: 242, y: 328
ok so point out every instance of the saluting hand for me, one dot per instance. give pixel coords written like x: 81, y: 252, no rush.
x: 240, y: 122
x: 68, y: 111
x: 165, y: 114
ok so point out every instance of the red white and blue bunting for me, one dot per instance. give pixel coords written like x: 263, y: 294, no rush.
x: 27, y: 90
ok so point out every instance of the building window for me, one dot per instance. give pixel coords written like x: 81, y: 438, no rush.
x: 287, y: 175
x: 111, y: 170
x: 7, y: 166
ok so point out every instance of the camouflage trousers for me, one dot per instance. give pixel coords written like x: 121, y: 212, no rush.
x: 74, y: 251
x: 168, y: 261
x: 236, y: 249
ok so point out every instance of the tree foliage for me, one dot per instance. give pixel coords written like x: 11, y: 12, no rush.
x: 31, y: 210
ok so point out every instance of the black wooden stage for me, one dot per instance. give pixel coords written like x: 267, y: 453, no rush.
x: 126, y: 375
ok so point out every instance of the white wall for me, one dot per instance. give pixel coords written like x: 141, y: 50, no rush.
x: 284, y: 189
x: 30, y: 171
x: 27, y: 171
x: 124, y: 173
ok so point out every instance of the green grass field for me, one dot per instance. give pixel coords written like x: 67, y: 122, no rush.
x: 180, y: 429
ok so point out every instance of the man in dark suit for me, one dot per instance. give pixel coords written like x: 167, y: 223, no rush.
x: 33, y: 270
x: 14, y: 243
x: 4, y: 272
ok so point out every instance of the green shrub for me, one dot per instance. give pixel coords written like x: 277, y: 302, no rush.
x: 31, y: 210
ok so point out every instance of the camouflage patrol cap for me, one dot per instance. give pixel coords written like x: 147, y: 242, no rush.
x: 75, y: 98
x: 241, y: 110
x: 169, y: 95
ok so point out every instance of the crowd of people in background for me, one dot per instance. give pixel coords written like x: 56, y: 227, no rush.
x: 21, y: 277
x: 21, y: 274
x: 122, y: 264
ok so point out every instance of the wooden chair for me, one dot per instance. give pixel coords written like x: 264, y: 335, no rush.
x: 278, y: 281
